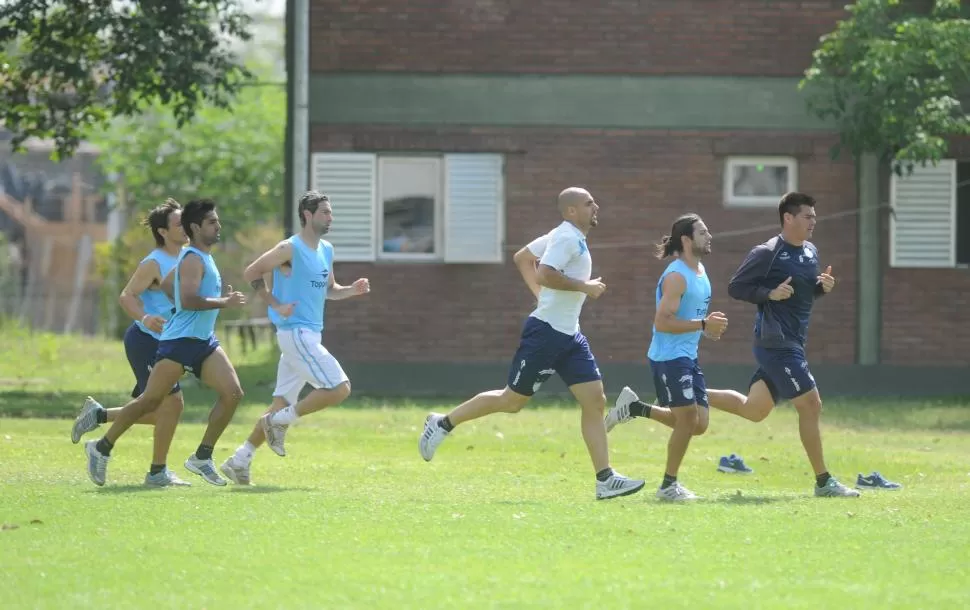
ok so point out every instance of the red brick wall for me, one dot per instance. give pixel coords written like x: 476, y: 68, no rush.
x: 715, y: 37
x: 924, y: 316
x: 642, y: 180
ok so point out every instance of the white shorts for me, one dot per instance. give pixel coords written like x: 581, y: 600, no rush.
x: 303, y: 359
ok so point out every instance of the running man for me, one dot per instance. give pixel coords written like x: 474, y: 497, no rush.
x: 683, y: 296
x: 149, y: 307
x: 552, y: 343
x: 781, y: 277
x: 187, y: 343
x: 296, y: 307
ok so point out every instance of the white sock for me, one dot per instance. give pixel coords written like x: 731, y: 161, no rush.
x: 244, y: 454
x: 285, y: 417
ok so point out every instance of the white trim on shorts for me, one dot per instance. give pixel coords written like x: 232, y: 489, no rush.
x: 304, y: 360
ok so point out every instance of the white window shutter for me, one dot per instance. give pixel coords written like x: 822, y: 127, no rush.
x: 350, y: 181
x: 474, y: 215
x: 922, y: 228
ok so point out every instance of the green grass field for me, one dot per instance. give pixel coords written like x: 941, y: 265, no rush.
x: 503, y: 518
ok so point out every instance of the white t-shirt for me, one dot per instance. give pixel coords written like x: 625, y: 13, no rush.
x: 564, y: 249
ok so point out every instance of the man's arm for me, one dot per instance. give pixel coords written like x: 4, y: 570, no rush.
x: 190, y: 274
x: 746, y: 285
x: 557, y: 255
x: 526, y: 261
x: 336, y: 292
x: 665, y: 320
x: 141, y: 280
x: 254, y: 274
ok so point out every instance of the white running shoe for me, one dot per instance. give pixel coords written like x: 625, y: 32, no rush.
x: 620, y: 413
x: 676, y: 492
x: 87, y: 419
x: 205, y: 469
x: 275, y: 434
x: 834, y: 489
x: 97, y: 463
x: 235, y: 472
x: 432, y: 436
x: 617, y: 485
x: 165, y: 478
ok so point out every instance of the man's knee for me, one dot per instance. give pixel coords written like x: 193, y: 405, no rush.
x: 700, y: 427
x: 341, y: 392
x: 809, y: 404
x: 232, y: 395
x: 513, y: 402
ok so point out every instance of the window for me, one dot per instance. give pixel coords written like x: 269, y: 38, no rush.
x: 409, y: 197
x: 421, y: 208
x: 930, y: 223
x: 758, y: 181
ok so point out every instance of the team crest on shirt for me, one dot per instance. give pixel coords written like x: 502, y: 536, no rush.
x: 582, y: 247
x: 806, y: 256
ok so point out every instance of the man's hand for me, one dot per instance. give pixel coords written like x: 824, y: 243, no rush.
x: 594, y: 288
x: 715, y: 324
x: 783, y: 291
x: 361, y: 286
x: 234, y: 298
x: 153, y: 323
x: 826, y: 280
x: 284, y: 309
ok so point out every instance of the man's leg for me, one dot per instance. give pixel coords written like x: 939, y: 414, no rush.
x: 578, y: 370
x: 218, y: 373
x: 309, y: 362
x: 236, y: 467
x: 438, y: 426
x: 539, y: 347
x: 167, y: 419
x: 809, y: 408
x: 164, y: 375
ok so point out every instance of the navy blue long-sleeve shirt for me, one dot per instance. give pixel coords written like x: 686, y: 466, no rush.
x: 779, y: 324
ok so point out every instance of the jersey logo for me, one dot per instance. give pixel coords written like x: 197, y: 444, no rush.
x: 784, y: 256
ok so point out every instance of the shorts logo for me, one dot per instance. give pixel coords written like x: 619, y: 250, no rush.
x: 543, y: 375
x: 687, y: 385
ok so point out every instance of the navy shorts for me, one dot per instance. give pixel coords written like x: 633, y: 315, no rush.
x: 784, y: 371
x: 140, y: 347
x: 187, y: 351
x: 679, y: 382
x: 543, y: 351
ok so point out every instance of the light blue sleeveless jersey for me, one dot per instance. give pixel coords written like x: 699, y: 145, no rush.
x: 155, y: 301
x: 306, y: 286
x: 693, y: 305
x: 190, y: 323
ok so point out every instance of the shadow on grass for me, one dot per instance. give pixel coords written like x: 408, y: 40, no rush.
x: 743, y: 500
x: 267, y: 489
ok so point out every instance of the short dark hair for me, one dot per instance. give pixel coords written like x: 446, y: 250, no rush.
x: 309, y: 202
x: 791, y: 203
x: 194, y: 213
x: 158, y: 219
x: 672, y: 244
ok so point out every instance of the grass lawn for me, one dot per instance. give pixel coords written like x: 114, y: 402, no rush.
x: 504, y: 517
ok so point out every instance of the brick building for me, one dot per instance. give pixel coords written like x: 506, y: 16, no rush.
x: 444, y: 130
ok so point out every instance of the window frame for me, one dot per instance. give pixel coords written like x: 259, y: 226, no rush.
x: 753, y: 201
x: 437, y: 255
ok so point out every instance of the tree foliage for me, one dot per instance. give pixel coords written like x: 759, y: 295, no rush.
x: 69, y: 66
x: 891, y: 77
x: 233, y: 156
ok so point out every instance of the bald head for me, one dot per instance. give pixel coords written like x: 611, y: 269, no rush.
x: 573, y: 197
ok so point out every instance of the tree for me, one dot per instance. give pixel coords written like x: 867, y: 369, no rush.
x: 68, y: 66
x: 233, y: 155
x: 891, y: 77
